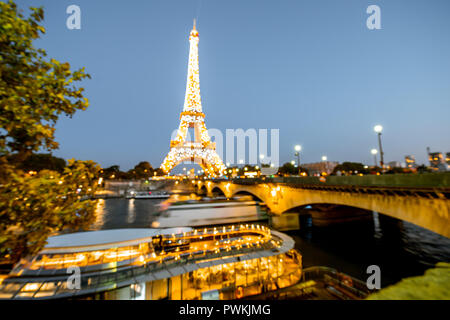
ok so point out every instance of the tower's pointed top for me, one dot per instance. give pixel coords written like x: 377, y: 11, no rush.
x: 194, y: 32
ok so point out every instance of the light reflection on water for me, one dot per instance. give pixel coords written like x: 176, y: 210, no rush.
x: 125, y: 213
x: 100, y: 214
x: 401, y: 249
x: 131, y: 211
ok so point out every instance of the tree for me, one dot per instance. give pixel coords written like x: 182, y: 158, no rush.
x: 159, y: 172
x: 143, y: 170
x: 350, y: 168
x: 41, y: 161
x: 111, y: 172
x: 432, y: 285
x: 397, y: 170
x: 34, y: 92
x: 35, y: 206
x: 289, y: 169
x: 423, y: 169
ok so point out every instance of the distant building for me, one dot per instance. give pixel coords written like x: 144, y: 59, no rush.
x: 394, y: 164
x: 447, y: 158
x: 437, y: 161
x: 410, y: 162
x: 317, y: 168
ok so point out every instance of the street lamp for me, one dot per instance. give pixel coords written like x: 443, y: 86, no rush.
x: 293, y: 162
x: 378, y: 129
x: 261, y: 158
x: 324, y: 158
x: 297, y: 153
x: 374, y: 152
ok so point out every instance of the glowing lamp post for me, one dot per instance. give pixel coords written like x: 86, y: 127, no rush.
x: 378, y: 129
x: 297, y: 149
x: 261, y: 158
x: 374, y: 152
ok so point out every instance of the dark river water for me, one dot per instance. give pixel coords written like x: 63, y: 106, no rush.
x: 399, y: 248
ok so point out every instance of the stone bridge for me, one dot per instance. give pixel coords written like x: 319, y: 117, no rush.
x: 426, y: 207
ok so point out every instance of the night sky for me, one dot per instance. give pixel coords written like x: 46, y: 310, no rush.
x: 309, y: 68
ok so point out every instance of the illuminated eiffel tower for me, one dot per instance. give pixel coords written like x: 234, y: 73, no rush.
x: 201, y: 151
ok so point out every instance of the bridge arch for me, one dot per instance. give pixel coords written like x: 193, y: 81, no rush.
x: 246, y: 193
x: 428, y: 212
x: 321, y: 205
x: 324, y: 214
x: 217, y: 191
x: 202, y: 190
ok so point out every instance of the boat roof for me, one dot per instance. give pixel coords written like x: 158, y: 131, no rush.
x: 105, y: 239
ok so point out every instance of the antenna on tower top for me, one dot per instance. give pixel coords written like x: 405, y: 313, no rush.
x: 194, y: 24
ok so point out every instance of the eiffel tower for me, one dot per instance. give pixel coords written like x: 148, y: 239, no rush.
x: 202, y: 150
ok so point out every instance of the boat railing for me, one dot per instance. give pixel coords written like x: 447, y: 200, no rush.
x: 120, y: 276
x: 331, y: 276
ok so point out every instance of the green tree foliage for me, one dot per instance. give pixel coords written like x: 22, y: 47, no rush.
x: 34, y: 92
x: 112, y: 172
x: 395, y: 170
x: 33, y: 207
x: 42, y: 161
x: 433, y: 285
x: 143, y: 170
x: 159, y: 172
x: 423, y: 169
x: 350, y: 168
x: 289, y: 169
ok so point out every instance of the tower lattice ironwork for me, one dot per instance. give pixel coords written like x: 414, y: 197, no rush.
x: 202, y: 150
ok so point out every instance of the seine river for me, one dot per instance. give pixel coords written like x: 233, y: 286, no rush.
x: 399, y: 248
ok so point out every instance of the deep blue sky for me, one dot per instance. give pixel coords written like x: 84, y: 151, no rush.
x: 310, y: 68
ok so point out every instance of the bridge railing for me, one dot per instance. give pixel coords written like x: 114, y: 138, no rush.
x: 331, y: 276
x: 423, y: 180
x: 432, y: 185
